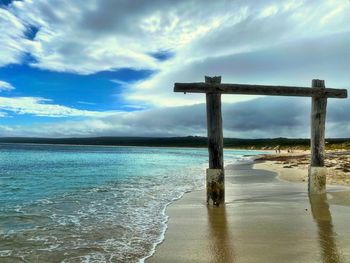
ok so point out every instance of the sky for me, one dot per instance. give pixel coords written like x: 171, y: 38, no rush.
x: 107, y: 67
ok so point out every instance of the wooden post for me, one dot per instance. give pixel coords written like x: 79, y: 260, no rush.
x: 214, y: 88
x: 215, y: 173
x: 317, y: 171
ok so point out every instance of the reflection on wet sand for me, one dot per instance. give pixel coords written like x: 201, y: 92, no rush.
x: 264, y: 220
x: 322, y: 216
x: 220, y: 244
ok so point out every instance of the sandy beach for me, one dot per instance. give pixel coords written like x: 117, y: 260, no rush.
x: 293, y: 167
x: 265, y: 219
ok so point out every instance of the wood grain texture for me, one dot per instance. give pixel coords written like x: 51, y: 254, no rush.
x: 215, y: 140
x: 214, y: 125
x: 318, y: 122
x: 245, y: 89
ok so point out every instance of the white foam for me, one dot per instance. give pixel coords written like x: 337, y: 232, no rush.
x: 5, y: 253
x: 241, y: 160
x: 128, y: 216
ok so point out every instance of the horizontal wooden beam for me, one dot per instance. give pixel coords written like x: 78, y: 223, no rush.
x: 245, y: 89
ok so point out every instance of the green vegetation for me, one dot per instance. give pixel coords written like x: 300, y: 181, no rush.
x: 189, y: 141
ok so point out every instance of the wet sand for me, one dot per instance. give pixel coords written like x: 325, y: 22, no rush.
x: 264, y: 220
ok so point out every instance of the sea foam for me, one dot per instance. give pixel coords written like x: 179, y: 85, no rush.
x: 94, y: 204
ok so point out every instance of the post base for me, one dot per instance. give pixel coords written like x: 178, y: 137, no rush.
x: 317, y: 180
x: 215, y: 186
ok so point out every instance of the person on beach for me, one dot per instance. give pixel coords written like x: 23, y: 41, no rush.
x: 277, y: 149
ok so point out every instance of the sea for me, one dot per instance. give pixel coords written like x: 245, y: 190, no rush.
x: 68, y: 204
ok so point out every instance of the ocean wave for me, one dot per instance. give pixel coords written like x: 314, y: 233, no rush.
x: 112, y: 214
x: 243, y: 159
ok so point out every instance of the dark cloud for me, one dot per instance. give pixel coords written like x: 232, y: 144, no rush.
x: 293, y: 63
x: 120, y: 16
x: 263, y: 114
x: 264, y: 117
x: 162, y: 55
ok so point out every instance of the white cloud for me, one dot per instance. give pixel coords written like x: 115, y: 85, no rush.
x: 5, y: 86
x: 43, y: 107
x: 262, y: 117
x: 295, y: 63
x: 89, y: 36
x: 12, y: 42
x: 262, y: 42
x: 269, y: 11
x: 6, y: 130
x: 283, y: 48
x: 85, y: 37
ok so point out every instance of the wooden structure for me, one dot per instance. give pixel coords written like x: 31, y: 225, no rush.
x: 213, y: 89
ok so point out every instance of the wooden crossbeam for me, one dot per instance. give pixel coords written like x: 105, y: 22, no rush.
x: 213, y: 89
x: 246, y: 89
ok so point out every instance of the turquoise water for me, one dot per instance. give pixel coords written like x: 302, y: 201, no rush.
x: 92, y: 204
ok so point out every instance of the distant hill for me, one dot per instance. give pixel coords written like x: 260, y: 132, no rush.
x: 189, y: 141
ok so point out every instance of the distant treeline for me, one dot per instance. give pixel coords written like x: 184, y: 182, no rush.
x: 189, y: 141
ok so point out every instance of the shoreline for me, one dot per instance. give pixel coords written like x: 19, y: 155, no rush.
x: 293, y: 167
x: 132, y: 146
x: 162, y: 237
x: 165, y: 227
x: 187, y: 238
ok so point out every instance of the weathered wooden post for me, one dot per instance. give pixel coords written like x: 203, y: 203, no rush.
x: 215, y: 173
x: 317, y: 171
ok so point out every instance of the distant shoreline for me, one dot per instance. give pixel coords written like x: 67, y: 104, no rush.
x: 101, y: 145
x: 132, y: 146
x: 182, y: 142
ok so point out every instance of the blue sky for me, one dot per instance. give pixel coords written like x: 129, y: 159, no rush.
x: 98, y: 91
x: 107, y: 68
x: 93, y: 92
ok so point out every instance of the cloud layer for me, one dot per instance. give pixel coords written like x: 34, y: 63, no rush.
x: 44, y: 108
x: 262, y: 42
x: 261, y: 117
x: 5, y: 86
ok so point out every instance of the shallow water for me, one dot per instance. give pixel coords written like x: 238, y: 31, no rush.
x: 91, y: 204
